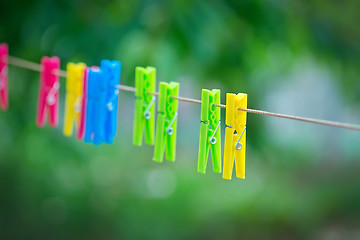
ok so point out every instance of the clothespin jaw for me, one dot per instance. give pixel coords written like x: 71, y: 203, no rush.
x: 144, y: 116
x: 48, y: 92
x: 73, y: 99
x: 4, y: 53
x: 111, y: 71
x: 210, y: 137
x: 235, y: 135
x: 166, y: 122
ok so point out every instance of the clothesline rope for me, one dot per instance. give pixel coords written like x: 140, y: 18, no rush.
x: 37, y: 67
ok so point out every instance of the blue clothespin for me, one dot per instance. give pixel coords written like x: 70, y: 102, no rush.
x: 95, y: 110
x: 111, y: 74
x: 90, y: 108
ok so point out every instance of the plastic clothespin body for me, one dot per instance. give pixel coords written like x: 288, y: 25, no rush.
x: 145, y: 80
x: 81, y: 130
x: 73, y: 99
x: 48, y: 92
x: 210, y: 130
x: 95, y: 117
x: 111, y: 74
x: 4, y: 53
x: 235, y: 135
x: 166, y: 122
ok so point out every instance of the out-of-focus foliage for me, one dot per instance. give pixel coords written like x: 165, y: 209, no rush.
x: 292, y: 56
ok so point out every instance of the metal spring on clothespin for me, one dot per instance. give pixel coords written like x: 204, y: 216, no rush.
x: 238, y: 145
x: 3, y: 74
x: 213, y: 139
x: 110, y: 105
x: 147, y: 113
x: 50, y: 99
x: 169, y: 129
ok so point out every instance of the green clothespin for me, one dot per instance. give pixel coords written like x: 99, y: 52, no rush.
x: 210, y: 130
x: 145, y: 80
x: 166, y: 122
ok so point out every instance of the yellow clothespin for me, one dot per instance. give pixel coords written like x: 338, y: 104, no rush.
x: 73, y: 101
x: 235, y: 135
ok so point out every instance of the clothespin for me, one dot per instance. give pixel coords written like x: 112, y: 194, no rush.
x: 95, y: 111
x: 235, y: 135
x: 166, y: 122
x: 111, y: 72
x: 48, y: 92
x: 145, y: 80
x: 210, y: 130
x: 81, y: 129
x: 4, y: 52
x: 73, y: 100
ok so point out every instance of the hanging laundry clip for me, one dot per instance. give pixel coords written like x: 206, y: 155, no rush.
x: 4, y: 52
x: 73, y: 100
x: 235, y: 135
x: 48, y: 92
x: 145, y: 80
x: 95, y: 110
x: 209, y: 130
x: 166, y: 122
x: 111, y: 73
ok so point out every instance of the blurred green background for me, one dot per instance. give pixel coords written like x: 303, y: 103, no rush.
x: 295, y: 57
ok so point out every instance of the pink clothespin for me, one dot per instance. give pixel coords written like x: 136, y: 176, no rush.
x: 81, y: 130
x: 4, y: 76
x: 48, y: 92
